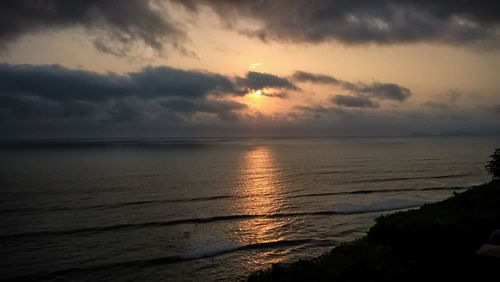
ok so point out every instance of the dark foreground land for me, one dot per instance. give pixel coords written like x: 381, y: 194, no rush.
x: 437, y: 242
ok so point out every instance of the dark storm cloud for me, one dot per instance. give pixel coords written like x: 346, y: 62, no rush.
x: 301, y: 76
x: 384, y: 91
x: 53, y: 101
x: 28, y: 108
x: 56, y: 82
x: 363, y: 91
x: 353, y: 101
x: 116, y: 24
x: 35, y: 94
x: 223, y: 108
x: 363, y: 21
x: 256, y: 80
x: 59, y: 83
x: 170, y: 81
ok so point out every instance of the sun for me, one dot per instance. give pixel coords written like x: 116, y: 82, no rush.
x: 258, y: 92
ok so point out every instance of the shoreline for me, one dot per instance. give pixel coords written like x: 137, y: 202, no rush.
x: 435, y: 242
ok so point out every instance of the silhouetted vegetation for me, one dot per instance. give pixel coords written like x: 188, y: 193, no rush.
x: 493, y: 166
x: 434, y: 243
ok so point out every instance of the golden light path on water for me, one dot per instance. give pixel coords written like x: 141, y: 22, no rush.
x: 261, y: 190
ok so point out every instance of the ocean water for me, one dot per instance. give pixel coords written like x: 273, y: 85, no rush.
x: 210, y: 209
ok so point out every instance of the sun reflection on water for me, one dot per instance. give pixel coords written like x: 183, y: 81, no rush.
x: 260, y: 192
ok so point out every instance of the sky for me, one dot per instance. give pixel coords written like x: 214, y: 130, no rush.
x: 222, y: 68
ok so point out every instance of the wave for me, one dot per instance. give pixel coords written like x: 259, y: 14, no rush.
x: 376, y: 191
x: 135, y: 226
x: 386, y: 205
x: 218, y: 197
x: 115, y: 205
x: 128, y: 226
x: 204, y: 252
x: 211, y: 250
x: 411, y: 178
x: 333, y: 172
x: 443, y: 188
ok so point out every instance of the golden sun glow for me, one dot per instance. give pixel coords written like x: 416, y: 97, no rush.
x: 263, y: 101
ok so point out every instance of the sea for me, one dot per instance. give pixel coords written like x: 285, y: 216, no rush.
x: 213, y: 209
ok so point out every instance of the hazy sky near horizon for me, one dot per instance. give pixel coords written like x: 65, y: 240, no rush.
x: 161, y: 68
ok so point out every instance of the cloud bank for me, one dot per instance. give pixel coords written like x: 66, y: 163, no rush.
x: 355, y: 22
x: 57, y: 98
x: 114, y: 26
x: 54, y: 101
x: 256, y: 80
x: 354, y: 101
x: 47, y: 94
x: 362, y: 93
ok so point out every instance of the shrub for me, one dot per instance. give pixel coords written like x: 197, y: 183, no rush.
x: 493, y: 166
